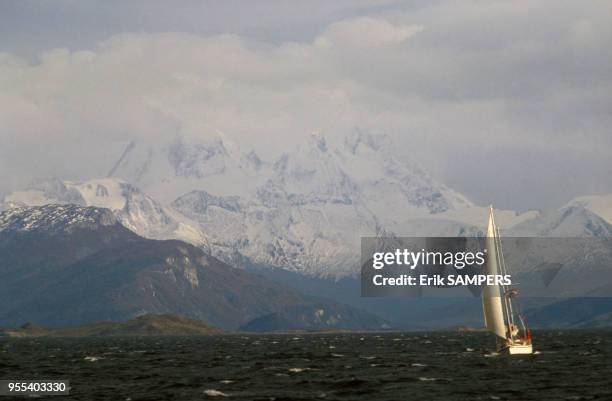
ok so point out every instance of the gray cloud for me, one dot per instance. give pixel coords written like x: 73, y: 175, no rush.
x: 508, y: 102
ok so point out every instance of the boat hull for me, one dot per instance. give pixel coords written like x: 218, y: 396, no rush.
x: 518, y: 349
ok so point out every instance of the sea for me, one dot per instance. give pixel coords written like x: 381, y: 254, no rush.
x: 567, y: 365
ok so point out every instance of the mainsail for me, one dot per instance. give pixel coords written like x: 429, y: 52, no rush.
x: 491, y: 295
x: 497, y: 300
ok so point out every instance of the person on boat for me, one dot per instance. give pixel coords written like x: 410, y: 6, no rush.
x: 513, y: 330
x: 527, y: 337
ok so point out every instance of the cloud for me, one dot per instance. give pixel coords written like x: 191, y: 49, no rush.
x: 450, y: 82
x: 365, y: 32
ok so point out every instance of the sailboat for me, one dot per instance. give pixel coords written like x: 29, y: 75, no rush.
x: 497, y: 301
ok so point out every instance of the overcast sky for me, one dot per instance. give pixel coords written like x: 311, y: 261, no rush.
x: 507, y: 102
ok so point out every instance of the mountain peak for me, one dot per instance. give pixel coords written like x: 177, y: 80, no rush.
x: 569, y: 221
x: 54, y: 188
x: 598, y: 204
x: 358, y: 138
x: 319, y: 141
x: 197, y: 159
x: 252, y: 160
x: 199, y: 201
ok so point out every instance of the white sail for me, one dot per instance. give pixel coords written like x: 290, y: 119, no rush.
x: 491, y: 295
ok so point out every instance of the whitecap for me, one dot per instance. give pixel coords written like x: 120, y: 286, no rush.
x: 215, y: 393
x: 92, y: 358
x: 418, y: 365
x: 337, y: 355
x: 469, y: 349
x: 491, y: 354
x: 226, y: 381
x: 428, y: 379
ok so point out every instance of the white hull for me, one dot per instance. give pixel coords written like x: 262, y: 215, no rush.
x: 518, y: 349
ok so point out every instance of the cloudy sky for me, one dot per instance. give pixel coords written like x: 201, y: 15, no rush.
x: 507, y: 102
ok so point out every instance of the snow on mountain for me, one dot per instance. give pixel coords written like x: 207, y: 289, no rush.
x: 305, y: 211
x: 311, y: 174
x: 598, y: 204
x: 478, y: 216
x: 569, y: 221
x: 133, y: 209
x: 180, y: 166
x: 571, y: 239
x: 317, y: 202
x: 10, y: 205
x: 364, y: 165
x: 372, y: 162
x: 45, y: 191
x: 54, y: 218
x: 274, y: 232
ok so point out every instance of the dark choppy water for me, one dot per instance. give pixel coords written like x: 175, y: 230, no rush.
x: 392, y: 366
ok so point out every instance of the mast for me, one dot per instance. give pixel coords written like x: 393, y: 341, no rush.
x: 492, y: 294
x: 509, y: 312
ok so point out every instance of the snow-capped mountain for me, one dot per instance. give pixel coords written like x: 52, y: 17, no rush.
x: 598, y: 204
x: 133, y: 209
x: 305, y: 211
x: 173, y: 169
x: 84, y: 266
x: 566, y: 222
x: 316, y: 203
x: 364, y: 165
x: 315, y: 241
x: 372, y: 163
x: 571, y: 240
